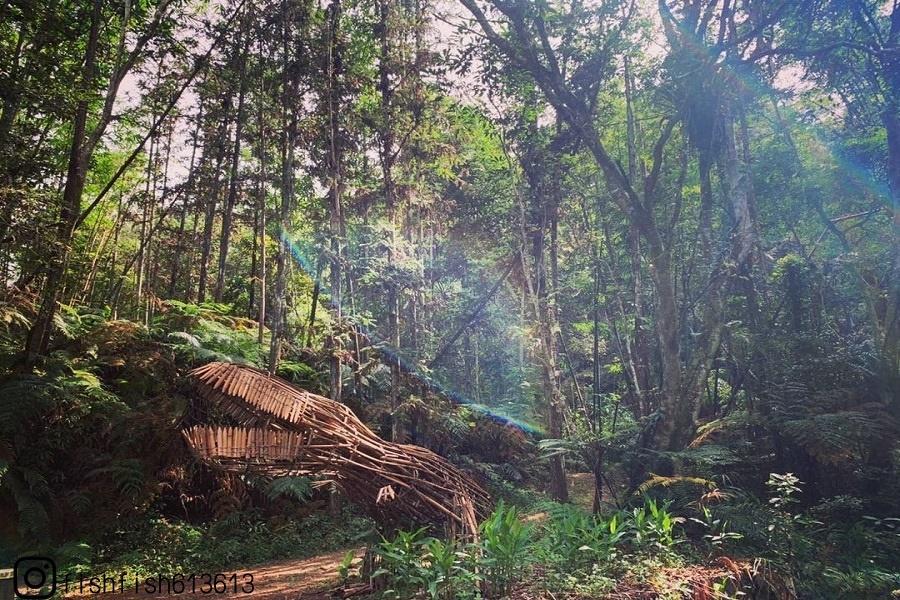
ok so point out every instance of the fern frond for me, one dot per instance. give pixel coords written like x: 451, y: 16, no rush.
x: 185, y: 338
x: 836, y: 437
x: 126, y: 474
x: 10, y: 317
x: 709, y: 455
x: 298, y: 488
x: 707, y: 430
x: 663, y: 481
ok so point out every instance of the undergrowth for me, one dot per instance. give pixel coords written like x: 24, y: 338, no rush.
x: 154, y: 544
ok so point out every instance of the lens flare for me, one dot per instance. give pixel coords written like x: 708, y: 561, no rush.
x: 302, y: 260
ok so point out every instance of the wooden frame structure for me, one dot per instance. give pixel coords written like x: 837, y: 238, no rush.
x: 284, y: 430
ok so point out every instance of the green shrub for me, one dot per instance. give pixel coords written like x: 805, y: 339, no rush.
x: 505, y: 544
x: 150, y: 545
x: 403, y: 562
x: 574, y: 540
x: 653, y: 524
x: 415, y: 563
x: 208, y: 332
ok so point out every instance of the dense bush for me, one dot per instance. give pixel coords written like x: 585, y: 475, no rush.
x: 578, y: 550
x: 416, y: 563
x: 89, y: 440
x: 151, y: 544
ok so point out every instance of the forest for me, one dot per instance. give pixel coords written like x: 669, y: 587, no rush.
x: 450, y: 299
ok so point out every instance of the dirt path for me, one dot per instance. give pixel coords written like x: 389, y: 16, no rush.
x: 287, y: 579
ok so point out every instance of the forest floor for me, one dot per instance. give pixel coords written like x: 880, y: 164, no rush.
x: 294, y: 579
x: 318, y: 577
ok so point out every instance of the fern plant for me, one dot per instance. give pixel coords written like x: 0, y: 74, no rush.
x: 297, y: 488
x: 505, y: 545
x: 207, y: 332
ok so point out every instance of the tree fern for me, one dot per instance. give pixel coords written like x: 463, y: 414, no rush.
x: 127, y: 475
x: 298, y: 488
x: 663, y: 481
x: 33, y: 519
x: 838, y: 437
x: 184, y: 338
x: 11, y: 317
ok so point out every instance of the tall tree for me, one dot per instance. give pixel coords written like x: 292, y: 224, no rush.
x: 85, y: 138
x: 573, y: 95
x: 242, y: 46
x: 334, y: 60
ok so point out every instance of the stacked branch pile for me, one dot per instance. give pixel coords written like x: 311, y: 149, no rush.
x: 283, y: 430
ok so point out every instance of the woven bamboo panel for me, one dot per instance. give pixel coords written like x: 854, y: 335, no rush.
x: 288, y: 430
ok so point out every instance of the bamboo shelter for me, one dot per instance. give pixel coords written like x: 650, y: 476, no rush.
x: 283, y: 430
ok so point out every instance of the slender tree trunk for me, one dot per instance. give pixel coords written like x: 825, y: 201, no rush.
x: 549, y: 326
x: 334, y: 193
x: 891, y: 120
x: 261, y: 201
x: 11, y: 99
x: 188, y: 192
x: 212, y: 200
x: 597, y: 422
x: 387, y: 164
x: 146, y: 220
x: 357, y: 346
x: 233, y: 177
x: 891, y: 319
x: 39, y: 337
x: 288, y: 142
x: 314, y: 303
x: 190, y: 294
x: 90, y: 278
x: 737, y: 181
x: 112, y: 278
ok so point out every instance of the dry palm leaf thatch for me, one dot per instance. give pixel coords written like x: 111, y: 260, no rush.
x: 285, y: 430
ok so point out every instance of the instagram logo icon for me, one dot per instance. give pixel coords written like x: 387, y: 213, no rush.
x: 34, y: 577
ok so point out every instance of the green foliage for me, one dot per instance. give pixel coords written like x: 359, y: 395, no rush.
x: 803, y: 374
x: 588, y: 554
x: 344, y: 566
x: 207, y: 332
x: 401, y: 560
x: 303, y: 375
x: 573, y: 540
x: 784, y: 488
x: 449, y: 573
x: 90, y: 438
x: 298, y: 488
x: 414, y: 562
x: 850, y: 555
x: 45, y: 420
x: 152, y: 544
x: 718, y: 532
x: 652, y: 523
x: 505, y: 543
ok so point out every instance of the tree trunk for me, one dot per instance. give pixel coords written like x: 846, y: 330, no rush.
x: 288, y: 141
x: 547, y: 291
x: 146, y: 220
x: 214, y: 189
x: 233, y: 177
x: 39, y: 337
x: 189, y: 189
x: 891, y: 319
x: 387, y: 158
x: 314, y: 304
x: 334, y: 195
x: 261, y: 200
